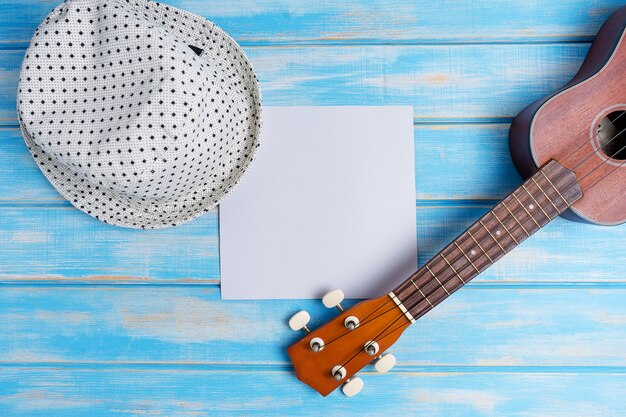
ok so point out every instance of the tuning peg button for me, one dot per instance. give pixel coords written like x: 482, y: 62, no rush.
x: 316, y: 344
x: 333, y: 299
x: 351, y: 322
x: 339, y: 372
x: 352, y: 387
x: 385, y: 363
x: 299, y: 321
x: 371, y: 348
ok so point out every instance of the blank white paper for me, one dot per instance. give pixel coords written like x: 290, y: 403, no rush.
x: 329, y: 202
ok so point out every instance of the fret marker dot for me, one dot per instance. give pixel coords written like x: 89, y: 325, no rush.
x: 498, y: 232
x: 473, y: 252
x: 532, y: 206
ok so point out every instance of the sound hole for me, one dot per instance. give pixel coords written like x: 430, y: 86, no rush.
x: 612, y: 135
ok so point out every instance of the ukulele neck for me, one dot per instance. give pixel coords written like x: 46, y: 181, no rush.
x: 545, y: 195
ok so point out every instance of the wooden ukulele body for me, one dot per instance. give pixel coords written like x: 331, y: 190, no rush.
x: 567, y: 126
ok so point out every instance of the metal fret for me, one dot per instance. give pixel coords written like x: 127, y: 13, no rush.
x: 536, y: 202
x: 467, y: 257
x: 527, y: 212
x: 557, y: 190
x: 492, y: 236
x: 451, y: 267
x: 507, y: 230
x: 479, y: 245
x: 515, y: 218
x: 437, y: 279
x: 423, y: 295
x: 544, y: 193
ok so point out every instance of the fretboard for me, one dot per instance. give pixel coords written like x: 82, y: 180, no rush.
x: 548, y: 193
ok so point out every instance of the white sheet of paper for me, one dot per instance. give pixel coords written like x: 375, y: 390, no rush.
x: 328, y: 203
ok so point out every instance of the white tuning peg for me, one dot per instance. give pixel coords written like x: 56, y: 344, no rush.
x: 352, y: 387
x: 385, y: 363
x: 299, y: 321
x: 333, y: 299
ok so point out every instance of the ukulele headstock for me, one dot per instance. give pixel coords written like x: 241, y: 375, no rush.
x: 331, y: 355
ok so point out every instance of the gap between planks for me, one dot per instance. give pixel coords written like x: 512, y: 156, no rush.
x: 21, y: 44
x: 61, y: 203
x: 114, y: 282
x: 418, y: 121
x: 425, y: 370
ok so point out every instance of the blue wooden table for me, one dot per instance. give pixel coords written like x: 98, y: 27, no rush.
x: 97, y: 320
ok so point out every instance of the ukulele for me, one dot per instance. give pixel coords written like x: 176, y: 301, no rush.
x: 571, y: 149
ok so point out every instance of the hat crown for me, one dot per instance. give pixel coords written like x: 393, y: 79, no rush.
x: 116, y: 98
x: 113, y: 97
x: 139, y: 113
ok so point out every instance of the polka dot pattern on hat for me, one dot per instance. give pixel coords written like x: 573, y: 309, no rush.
x: 140, y: 114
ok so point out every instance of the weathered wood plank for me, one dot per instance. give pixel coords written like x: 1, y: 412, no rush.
x: 59, y: 240
x: 475, y: 159
x: 506, y: 345
x: 122, y: 325
x: 104, y: 392
x: 21, y: 181
x: 563, y: 251
x: 61, y: 243
x: 453, y: 81
x: 463, y: 162
x: 279, y: 22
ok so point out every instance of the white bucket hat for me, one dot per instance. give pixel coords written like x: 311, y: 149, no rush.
x: 140, y: 114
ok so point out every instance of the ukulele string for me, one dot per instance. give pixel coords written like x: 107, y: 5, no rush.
x: 594, y: 152
x: 617, y: 166
x: 364, y: 321
x: 515, y: 228
x: 530, y: 217
x: 486, y: 245
x: 382, y: 334
x: 593, y: 137
x: 424, y: 297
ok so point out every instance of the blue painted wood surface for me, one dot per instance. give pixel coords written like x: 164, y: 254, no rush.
x: 96, y: 320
